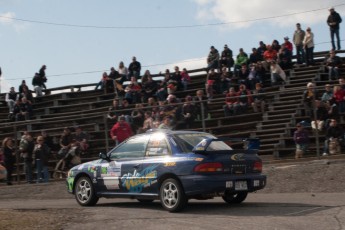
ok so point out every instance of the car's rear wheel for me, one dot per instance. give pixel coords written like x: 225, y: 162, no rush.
x: 172, y: 195
x: 85, y: 193
x: 234, y: 198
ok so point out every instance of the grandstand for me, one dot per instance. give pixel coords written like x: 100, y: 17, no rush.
x: 77, y: 105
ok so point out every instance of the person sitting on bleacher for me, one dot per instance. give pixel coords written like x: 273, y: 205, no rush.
x: 226, y: 59
x: 224, y: 81
x: 213, y: 59
x: 82, y: 139
x: 185, y: 79
x: 101, y: 83
x: 11, y: 98
x: 25, y: 110
x: 212, y: 80
x: 309, y: 95
x: 65, y: 142
x: 200, y: 101
x: 338, y: 96
x: 27, y: 94
x: 133, y: 91
x: 269, y: 56
x: 149, y: 87
x: 113, y: 110
x: 134, y: 68
x: 342, y: 83
x: 258, y: 98
x: 285, y: 57
x: 137, y: 116
x: 242, y: 58
x: 321, y: 116
x: 244, y: 100
x: 333, y: 133
x: 231, y: 103
x: 333, y: 63
x: 327, y: 95
x: 277, y: 73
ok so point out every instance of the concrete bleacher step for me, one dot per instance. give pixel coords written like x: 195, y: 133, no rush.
x: 277, y: 131
x: 276, y: 121
x: 281, y: 111
x: 279, y: 107
x: 278, y: 116
x: 272, y: 126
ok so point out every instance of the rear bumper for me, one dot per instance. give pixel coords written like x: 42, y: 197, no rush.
x: 206, y: 184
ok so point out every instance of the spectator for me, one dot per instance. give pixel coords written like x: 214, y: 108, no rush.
x: 113, y: 112
x: 334, y: 131
x: 308, y: 44
x: 252, y: 78
x: 213, y: 59
x: 11, y: 98
x: 185, y: 79
x: 27, y: 94
x: 333, y: 22
x: 126, y: 111
x: 171, y: 109
x: 200, y: 101
x: 51, y: 142
x: 301, y: 138
x: 121, y: 131
x: 9, y: 158
x: 244, y: 100
x: 275, y: 45
x: 211, y: 80
x: 25, y: 110
x: 255, y: 56
x: 342, y: 83
x: 41, y: 152
x: 149, y: 87
x: 133, y: 91
x: 148, y: 122
x: 42, y: 74
x: 285, y: 57
x: 321, y: 116
x: 258, y: 98
x: 123, y: 71
x: 134, y: 68
x: 38, y: 84
x: 339, y: 97
x: 82, y: 139
x: 327, y: 96
x: 152, y: 107
x: 333, y: 64
x: 231, y: 103
x: 224, y: 81
x: 226, y: 58
x: 242, y: 58
x: 114, y: 74
x: 277, y: 73
x: 262, y: 48
x: 166, y: 123
x: 188, y: 112
x: 65, y: 142
x: 26, y: 148
x: 176, y: 76
x: 260, y: 72
x: 20, y: 88
x: 102, y: 82
x: 243, y: 74
x: 270, y: 55
x: 137, y: 117
x: 298, y: 39
x: 162, y: 91
x: 288, y: 44
x: 309, y: 95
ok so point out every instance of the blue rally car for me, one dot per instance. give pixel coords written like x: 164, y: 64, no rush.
x: 172, y: 166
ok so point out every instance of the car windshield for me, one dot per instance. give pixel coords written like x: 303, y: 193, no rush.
x: 189, y: 140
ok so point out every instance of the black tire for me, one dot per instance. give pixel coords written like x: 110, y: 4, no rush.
x: 235, y: 198
x: 85, y: 193
x: 172, y: 196
x: 145, y: 200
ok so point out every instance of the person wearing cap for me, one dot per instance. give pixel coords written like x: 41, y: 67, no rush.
x: 298, y: 38
x: 308, y: 44
x: 333, y: 22
x: 301, y: 138
x: 226, y: 58
x: 213, y: 59
x: 121, y: 131
x: 333, y: 63
x: 288, y: 44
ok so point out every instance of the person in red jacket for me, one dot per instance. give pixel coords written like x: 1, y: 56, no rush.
x: 121, y: 131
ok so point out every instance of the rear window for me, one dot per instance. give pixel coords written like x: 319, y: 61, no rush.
x: 188, y: 141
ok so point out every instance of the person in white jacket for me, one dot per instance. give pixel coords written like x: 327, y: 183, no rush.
x: 277, y: 73
x: 11, y: 98
x: 308, y: 43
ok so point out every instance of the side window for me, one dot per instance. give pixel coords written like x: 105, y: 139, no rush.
x: 133, y: 148
x: 157, y: 146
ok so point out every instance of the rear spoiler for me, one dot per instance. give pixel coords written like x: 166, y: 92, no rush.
x: 249, y: 143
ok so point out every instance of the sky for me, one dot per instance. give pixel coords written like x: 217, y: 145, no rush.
x: 78, y: 40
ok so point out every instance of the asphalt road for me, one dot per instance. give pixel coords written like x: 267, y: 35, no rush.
x: 260, y: 211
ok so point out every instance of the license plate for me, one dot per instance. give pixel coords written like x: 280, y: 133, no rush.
x: 241, y: 185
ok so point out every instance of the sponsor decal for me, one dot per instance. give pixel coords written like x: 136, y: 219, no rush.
x: 70, y: 182
x: 137, y: 181
x: 170, y: 164
x: 238, y: 157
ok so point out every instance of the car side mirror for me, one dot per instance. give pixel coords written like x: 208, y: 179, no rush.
x: 104, y: 156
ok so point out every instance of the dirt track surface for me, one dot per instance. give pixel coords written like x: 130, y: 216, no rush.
x: 324, y: 176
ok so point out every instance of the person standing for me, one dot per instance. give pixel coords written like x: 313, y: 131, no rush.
x: 333, y: 22
x: 9, y: 158
x: 121, y: 131
x: 41, y: 152
x: 301, y: 138
x: 26, y: 147
x: 298, y: 38
x: 308, y: 43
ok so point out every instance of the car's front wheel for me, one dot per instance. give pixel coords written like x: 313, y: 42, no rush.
x: 172, y: 195
x: 234, y: 198
x: 85, y: 193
